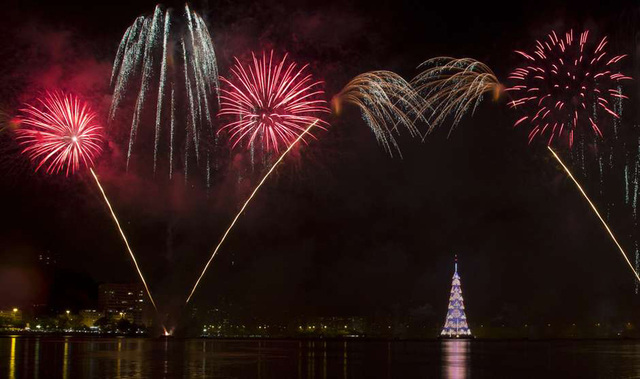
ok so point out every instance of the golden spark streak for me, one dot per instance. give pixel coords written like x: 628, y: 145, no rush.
x: 124, y: 238
x: 224, y: 236
x: 596, y: 212
x: 453, y: 87
x: 386, y: 101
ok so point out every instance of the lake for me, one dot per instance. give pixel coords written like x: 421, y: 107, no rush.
x: 80, y: 357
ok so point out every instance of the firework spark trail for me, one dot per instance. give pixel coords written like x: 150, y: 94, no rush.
x: 626, y: 183
x: 147, y: 69
x: 635, y: 189
x: 271, y: 101
x: 171, y: 132
x: 562, y: 81
x: 246, y: 203
x: 451, y: 87
x: 130, y: 62
x: 126, y: 40
x: 637, y: 258
x: 210, y: 64
x: 124, y: 238
x: 157, y: 51
x: 595, y: 210
x: 193, y: 110
x: 198, y: 74
x: 125, y: 53
x: 386, y: 101
x: 163, y: 80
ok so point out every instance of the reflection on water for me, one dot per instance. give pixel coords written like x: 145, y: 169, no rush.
x: 204, y: 356
x: 119, y: 359
x: 36, y: 365
x: 12, y: 359
x: 388, y: 360
x: 324, y: 360
x: 65, y: 359
x: 344, y: 361
x: 455, y: 364
x: 77, y: 357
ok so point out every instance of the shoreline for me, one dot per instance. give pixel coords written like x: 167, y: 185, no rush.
x: 281, y: 338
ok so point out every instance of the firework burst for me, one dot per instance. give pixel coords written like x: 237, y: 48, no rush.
x: 272, y: 103
x: 60, y: 133
x: 386, y: 101
x: 566, y: 85
x: 451, y: 87
x: 167, y: 61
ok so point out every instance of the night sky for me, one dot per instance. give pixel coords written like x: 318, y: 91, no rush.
x: 342, y: 229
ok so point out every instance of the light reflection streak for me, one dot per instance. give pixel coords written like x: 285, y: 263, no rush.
x: 455, y: 365
x: 65, y: 359
x: 36, y: 365
x: 119, y: 359
x: 12, y: 358
x: 204, y: 358
x: 345, y: 361
x: 324, y: 360
x: 299, y: 359
x: 388, y: 359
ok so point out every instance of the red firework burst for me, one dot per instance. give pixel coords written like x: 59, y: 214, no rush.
x: 60, y: 133
x: 565, y: 84
x: 273, y: 102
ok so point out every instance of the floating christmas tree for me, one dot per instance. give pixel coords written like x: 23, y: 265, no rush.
x: 455, y: 325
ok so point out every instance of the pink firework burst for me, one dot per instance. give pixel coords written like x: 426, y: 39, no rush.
x: 60, y: 133
x: 565, y: 85
x: 273, y: 102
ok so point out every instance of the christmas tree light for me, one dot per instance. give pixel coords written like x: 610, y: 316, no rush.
x: 455, y: 325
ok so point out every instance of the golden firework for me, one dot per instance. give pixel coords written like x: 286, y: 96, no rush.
x: 451, y: 87
x: 386, y: 101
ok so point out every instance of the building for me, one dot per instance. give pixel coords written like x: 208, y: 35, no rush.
x: 455, y: 325
x: 47, y: 258
x: 123, y: 300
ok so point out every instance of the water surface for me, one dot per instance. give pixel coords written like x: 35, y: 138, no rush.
x: 79, y: 357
